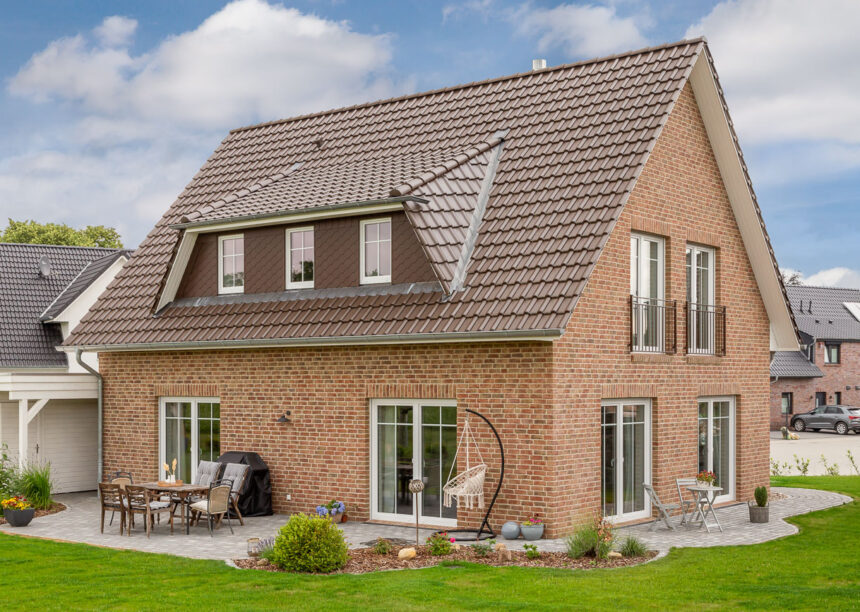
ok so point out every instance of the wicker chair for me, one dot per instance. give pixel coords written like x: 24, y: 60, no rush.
x: 140, y: 500
x: 111, y: 498
x: 238, y: 473
x: 120, y: 478
x: 215, y: 506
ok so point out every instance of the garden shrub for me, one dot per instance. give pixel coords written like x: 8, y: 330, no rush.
x: 382, y: 546
x: 309, y: 544
x: 8, y: 474
x: 760, y: 495
x: 482, y: 549
x: 633, y: 547
x: 440, y: 544
x: 591, y: 539
x: 532, y: 551
x: 35, y: 484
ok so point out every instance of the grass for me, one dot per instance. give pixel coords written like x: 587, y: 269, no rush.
x: 813, y: 569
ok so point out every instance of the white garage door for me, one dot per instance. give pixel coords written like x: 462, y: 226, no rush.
x: 68, y: 438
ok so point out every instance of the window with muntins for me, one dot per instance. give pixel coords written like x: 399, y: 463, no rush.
x: 190, y: 432
x: 787, y: 403
x: 701, y: 308
x: 375, y: 253
x: 231, y: 264
x: 647, y: 293
x: 300, y: 258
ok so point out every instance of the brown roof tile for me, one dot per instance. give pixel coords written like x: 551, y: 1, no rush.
x: 577, y: 136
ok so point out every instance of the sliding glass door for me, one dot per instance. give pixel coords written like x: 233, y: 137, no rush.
x: 717, y: 442
x: 625, y: 459
x: 412, y: 440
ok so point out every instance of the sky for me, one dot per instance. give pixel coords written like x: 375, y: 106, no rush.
x: 108, y: 108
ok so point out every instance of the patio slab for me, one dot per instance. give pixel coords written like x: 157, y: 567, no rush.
x: 80, y: 523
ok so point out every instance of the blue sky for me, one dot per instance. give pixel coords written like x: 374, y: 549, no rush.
x: 109, y: 108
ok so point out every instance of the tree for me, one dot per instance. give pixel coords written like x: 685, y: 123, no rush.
x: 790, y: 277
x: 31, y: 232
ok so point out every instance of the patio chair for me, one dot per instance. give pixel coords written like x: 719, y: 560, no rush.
x: 120, y: 478
x: 140, y: 500
x: 662, y: 509
x: 111, y: 498
x: 215, y: 506
x: 687, y: 504
x: 238, y: 473
x: 207, y: 472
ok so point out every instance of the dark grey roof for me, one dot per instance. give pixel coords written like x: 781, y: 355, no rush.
x: 84, y: 279
x: 24, y: 295
x: 821, y: 313
x: 793, y: 364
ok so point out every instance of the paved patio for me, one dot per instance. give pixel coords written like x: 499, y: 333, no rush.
x: 80, y: 523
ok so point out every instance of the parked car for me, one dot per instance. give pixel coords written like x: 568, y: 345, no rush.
x: 840, y: 418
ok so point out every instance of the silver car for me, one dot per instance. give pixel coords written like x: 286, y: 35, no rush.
x: 840, y: 418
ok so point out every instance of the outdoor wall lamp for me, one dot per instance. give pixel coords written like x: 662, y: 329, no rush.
x: 285, y: 418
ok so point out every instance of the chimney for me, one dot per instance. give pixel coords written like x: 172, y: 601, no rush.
x: 538, y: 64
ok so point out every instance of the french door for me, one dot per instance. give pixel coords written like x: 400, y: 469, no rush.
x: 625, y: 459
x: 717, y: 442
x: 412, y: 439
x: 700, y: 297
x: 190, y: 432
x: 646, y: 289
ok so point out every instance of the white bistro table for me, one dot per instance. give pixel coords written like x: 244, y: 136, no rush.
x: 704, y: 497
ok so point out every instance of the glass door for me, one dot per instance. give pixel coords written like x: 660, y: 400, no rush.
x: 700, y: 297
x: 410, y: 440
x: 625, y: 459
x: 190, y: 432
x: 646, y: 289
x: 717, y: 443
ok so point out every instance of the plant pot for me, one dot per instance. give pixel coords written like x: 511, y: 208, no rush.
x: 759, y: 514
x: 702, y: 483
x: 336, y: 517
x: 511, y: 530
x: 19, y: 518
x: 532, y: 532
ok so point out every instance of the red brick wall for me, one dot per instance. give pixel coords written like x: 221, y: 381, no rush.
x: 837, y: 377
x: 679, y: 196
x: 324, y: 452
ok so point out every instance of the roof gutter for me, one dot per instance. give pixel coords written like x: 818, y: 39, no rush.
x: 541, y: 335
x: 101, y: 418
x: 345, y: 208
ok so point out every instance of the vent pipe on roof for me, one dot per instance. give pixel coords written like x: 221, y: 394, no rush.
x: 538, y: 64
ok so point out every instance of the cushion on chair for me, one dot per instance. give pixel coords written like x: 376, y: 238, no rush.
x: 200, y: 506
x: 207, y: 471
x: 236, y: 473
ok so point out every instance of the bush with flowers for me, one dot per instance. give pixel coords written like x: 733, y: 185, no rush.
x: 532, y: 521
x: 15, y: 503
x: 592, y: 539
x: 440, y: 544
x: 706, y: 477
x: 331, y: 508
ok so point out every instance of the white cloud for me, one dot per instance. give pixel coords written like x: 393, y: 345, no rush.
x: 482, y: 7
x: 116, y: 31
x: 143, y: 123
x: 250, y: 60
x: 790, y: 68
x: 835, y: 277
x: 579, y: 30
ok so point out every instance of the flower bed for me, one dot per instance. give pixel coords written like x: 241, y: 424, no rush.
x: 363, y: 560
x: 55, y: 507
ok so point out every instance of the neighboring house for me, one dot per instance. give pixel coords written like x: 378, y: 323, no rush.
x: 333, y: 292
x: 48, y: 407
x: 826, y: 371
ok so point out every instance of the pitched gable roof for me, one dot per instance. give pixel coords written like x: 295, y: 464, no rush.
x: 793, y: 364
x: 821, y: 311
x: 79, y: 284
x: 577, y: 137
x: 25, y: 341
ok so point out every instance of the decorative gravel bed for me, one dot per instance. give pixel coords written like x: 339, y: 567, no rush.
x: 55, y: 507
x: 363, y: 560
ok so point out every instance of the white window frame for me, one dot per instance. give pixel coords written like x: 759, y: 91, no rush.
x: 619, y: 446
x: 693, y: 289
x: 194, y: 401
x: 827, y: 357
x: 221, y: 288
x: 636, y: 275
x: 416, y: 459
x: 300, y: 284
x: 727, y: 495
x: 371, y: 280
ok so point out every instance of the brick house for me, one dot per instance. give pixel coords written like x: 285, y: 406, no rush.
x: 826, y: 371
x: 333, y: 291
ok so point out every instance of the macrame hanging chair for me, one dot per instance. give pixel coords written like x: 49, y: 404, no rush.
x: 467, y: 487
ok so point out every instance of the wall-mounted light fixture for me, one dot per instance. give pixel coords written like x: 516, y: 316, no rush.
x: 285, y: 418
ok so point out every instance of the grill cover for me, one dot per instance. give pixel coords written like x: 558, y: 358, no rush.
x: 255, y: 499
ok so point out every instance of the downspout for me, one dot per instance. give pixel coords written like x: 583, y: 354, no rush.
x: 88, y: 368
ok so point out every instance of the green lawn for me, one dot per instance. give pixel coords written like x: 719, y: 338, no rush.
x: 818, y: 568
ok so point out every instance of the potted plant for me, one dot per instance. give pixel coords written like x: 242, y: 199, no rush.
x: 532, y: 528
x: 759, y: 512
x: 333, y: 509
x: 17, y: 511
x: 706, y: 478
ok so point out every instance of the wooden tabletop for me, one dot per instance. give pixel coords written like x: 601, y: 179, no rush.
x: 183, y: 488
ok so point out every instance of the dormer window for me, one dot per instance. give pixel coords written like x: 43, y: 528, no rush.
x: 375, y: 251
x: 300, y: 258
x: 231, y: 264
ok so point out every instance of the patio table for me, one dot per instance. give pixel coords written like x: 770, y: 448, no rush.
x: 182, y: 491
x: 704, y: 505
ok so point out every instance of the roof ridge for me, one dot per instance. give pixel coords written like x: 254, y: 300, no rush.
x: 790, y: 287
x: 516, y: 75
x: 60, y: 246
